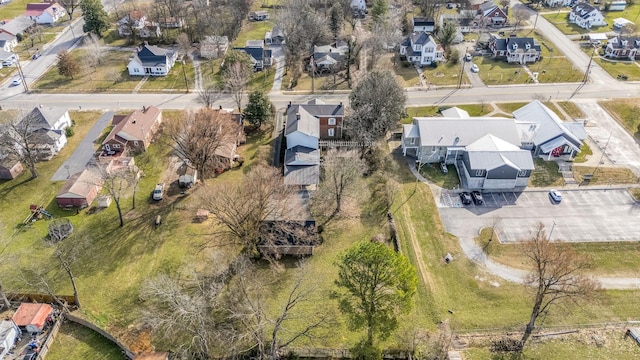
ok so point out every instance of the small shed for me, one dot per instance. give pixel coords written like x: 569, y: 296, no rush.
x: 597, y: 38
x: 9, y: 332
x: 619, y: 23
x: 104, y: 201
x: 32, y: 316
x: 188, y: 176
x: 80, y: 190
x: 10, y: 167
x: 618, y: 5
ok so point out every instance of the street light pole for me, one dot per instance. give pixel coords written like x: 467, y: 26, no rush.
x: 552, y: 227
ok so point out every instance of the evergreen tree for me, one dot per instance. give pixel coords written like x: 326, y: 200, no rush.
x: 258, y: 109
x: 96, y: 19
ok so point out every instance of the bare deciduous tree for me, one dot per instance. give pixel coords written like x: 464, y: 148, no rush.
x: 341, y: 170
x: 243, y: 207
x: 236, y: 78
x: 70, y: 6
x: 19, y: 139
x: 116, y: 183
x: 184, y: 44
x: 67, y: 252
x: 557, y: 276
x: 205, y: 138
x: 522, y: 14
x: 209, y: 95
x: 94, y: 54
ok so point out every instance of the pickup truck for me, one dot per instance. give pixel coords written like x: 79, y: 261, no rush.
x: 158, y: 192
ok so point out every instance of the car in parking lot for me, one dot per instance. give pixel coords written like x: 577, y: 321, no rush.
x: 465, y: 197
x: 477, y: 198
x: 555, y: 195
x: 475, y: 68
x: 467, y: 57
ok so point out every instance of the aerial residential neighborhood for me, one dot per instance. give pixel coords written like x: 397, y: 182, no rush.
x: 315, y: 180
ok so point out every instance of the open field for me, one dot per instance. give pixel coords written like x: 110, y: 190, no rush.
x: 616, y: 259
x: 112, y: 76
x: 625, y: 111
x: 77, y: 342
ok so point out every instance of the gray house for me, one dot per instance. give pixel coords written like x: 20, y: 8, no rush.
x: 485, y: 151
x: 542, y: 131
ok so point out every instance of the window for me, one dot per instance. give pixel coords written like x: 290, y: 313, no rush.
x: 135, y: 143
x: 116, y: 146
x: 331, y: 132
x: 522, y: 173
x: 332, y: 121
x: 413, y: 141
x: 479, y: 172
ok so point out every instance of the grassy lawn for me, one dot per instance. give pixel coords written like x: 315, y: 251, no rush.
x: 428, y: 111
x: 585, y: 152
x: 616, y: 259
x: 434, y: 174
x: 252, y: 30
x: 322, y: 82
x: 545, y: 174
x: 7, y: 71
x: 571, y: 109
x: 561, y: 21
x: 626, y: 112
x: 509, y: 108
x: 112, y: 38
x: 77, y: 342
x: 604, y: 175
x: 615, y: 68
x: 445, y: 74
x: 635, y: 192
x: 405, y: 73
x: 112, y: 76
x: 583, y: 345
x: 496, y: 72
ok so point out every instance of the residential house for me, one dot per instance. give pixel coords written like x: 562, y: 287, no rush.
x: 423, y: 24
x: 518, y: 50
x: 213, y: 47
x: 586, y: 16
x: 172, y: 23
x: 152, y: 60
x: 32, y: 317
x: 45, y: 13
x: 136, y: 22
x: 10, y: 166
x: 544, y: 133
x: 492, y: 15
x: 261, y: 15
x: 133, y: 131
x: 475, y: 4
x: 558, y: 3
x: 485, y: 151
x: 621, y: 47
x: 9, y: 335
x: 274, y: 37
x: 260, y: 56
x: 421, y: 49
x: 8, y: 42
x: 329, y: 58
x: 80, y: 189
x: 19, y: 25
x: 46, y: 128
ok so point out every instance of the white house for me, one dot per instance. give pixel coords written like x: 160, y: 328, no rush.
x: 136, y: 22
x: 46, y: 127
x: 45, y: 13
x: 423, y: 24
x: 519, y: 50
x: 152, y: 60
x: 421, y: 49
x: 586, y: 16
x: 8, y: 42
x: 558, y: 3
x: 618, y: 5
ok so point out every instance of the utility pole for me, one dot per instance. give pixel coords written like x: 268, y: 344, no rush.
x: 184, y: 72
x: 586, y: 73
x: 24, y: 81
x: 552, y: 227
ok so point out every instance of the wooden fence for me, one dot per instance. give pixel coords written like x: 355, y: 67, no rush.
x: 41, y: 298
x: 44, y: 348
x: 330, y: 144
x: 125, y: 350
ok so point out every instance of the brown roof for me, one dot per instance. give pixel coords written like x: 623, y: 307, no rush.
x: 80, y: 185
x: 116, y: 119
x: 32, y: 314
x: 135, y: 126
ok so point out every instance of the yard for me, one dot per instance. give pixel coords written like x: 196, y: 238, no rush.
x: 560, y: 20
x: 604, y: 175
x: 322, y: 82
x: 434, y: 174
x: 545, y: 174
x: 446, y: 74
x: 630, y: 69
x: 626, y: 112
x: 77, y: 342
x: 112, y: 76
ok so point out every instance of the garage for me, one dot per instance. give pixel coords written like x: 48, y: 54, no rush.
x: 80, y: 190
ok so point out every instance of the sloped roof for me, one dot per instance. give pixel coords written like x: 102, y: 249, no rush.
x: 32, y: 314
x: 135, y: 126
x: 583, y: 10
x: 441, y: 131
x: 80, y: 185
x: 42, y: 117
x: 300, y: 120
x: 423, y: 21
x: 410, y: 131
x: 257, y: 54
x: 549, y: 125
x: 301, y: 175
x: 511, y: 43
x: 45, y: 136
x: 302, y: 156
x: 36, y: 9
x: 421, y: 38
x: 18, y: 25
x: 5, y: 54
x: 6, y: 36
x: 490, y: 152
x: 455, y: 112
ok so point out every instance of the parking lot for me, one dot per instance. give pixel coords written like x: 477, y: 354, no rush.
x: 583, y: 215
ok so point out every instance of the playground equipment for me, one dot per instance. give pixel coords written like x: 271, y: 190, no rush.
x: 37, y: 212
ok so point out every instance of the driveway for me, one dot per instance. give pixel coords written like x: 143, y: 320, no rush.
x: 277, y: 56
x: 84, y: 152
x: 582, y: 216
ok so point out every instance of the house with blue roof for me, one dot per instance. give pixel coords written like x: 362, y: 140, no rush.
x: 421, y: 49
x: 516, y: 50
x: 152, y: 61
x: 260, y: 56
x: 586, y: 16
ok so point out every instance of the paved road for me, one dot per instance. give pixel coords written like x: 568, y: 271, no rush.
x: 84, y: 152
x: 617, y: 143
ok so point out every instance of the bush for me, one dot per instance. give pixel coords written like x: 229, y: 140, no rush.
x: 505, y: 345
x: 434, y: 64
x: 454, y: 56
x: 69, y: 131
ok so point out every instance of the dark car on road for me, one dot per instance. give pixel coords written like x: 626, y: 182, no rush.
x: 477, y: 198
x: 465, y: 197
